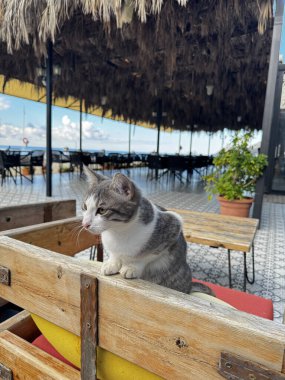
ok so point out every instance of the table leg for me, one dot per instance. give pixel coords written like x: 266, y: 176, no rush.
x: 230, y: 268
x: 253, y: 269
x: 99, y: 249
x: 244, y: 272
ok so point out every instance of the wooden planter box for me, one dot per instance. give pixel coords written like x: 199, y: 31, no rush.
x: 170, y: 334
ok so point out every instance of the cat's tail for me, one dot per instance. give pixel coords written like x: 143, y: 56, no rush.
x: 201, y: 288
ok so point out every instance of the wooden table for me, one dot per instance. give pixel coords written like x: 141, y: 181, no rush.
x: 215, y: 230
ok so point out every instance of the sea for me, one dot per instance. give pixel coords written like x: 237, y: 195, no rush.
x: 31, y: 148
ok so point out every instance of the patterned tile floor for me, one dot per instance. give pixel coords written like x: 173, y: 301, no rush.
x: 208, y: 264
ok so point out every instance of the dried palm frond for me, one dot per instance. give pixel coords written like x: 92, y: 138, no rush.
x: 169, y: 49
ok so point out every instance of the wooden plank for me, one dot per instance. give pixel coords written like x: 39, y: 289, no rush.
x: 236, y: 367
x: 35, y: 213
x: 63, y: 236
x: 89, y: 326
x: 29, y: 362
x: 139, y: 321
x: 21, y: 325
x: 218, y: 230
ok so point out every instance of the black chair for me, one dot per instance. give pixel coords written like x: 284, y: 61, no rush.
x: 31, y: 160
x: 157, y: 164
x: 76, y: 161
x: 176, y: 165
x: 7, y: 163
x: 59, y: 157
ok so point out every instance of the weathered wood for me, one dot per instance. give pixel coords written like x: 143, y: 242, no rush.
x: 139, y: 321
x: 21, y: 325
x: 41, y: 212
x: 218, y: 230
x: 5, y: 372
x: 12, y: 217
x: 29, y: 362
x: 235, y: 367
x: 89, y: 326
x: 63, y: 236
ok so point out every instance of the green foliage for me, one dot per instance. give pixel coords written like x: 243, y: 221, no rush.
x: 236, y: 169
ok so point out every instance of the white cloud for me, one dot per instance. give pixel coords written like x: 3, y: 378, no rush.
x: 68, y: 131
x: 9, y: 132
x: 4, y: 104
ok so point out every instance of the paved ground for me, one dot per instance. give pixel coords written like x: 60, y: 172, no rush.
x: 208, y: 264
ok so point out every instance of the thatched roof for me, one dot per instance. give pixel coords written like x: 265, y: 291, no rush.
x: 132, y: 53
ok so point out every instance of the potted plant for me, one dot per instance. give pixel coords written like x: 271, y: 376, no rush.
x: 236, y: 170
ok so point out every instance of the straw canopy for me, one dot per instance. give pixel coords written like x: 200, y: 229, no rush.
x: 206, y: 60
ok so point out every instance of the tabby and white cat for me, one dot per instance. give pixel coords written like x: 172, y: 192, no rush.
x: 143, y: 240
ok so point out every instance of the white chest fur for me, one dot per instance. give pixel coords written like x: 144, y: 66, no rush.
x: 128, y: 239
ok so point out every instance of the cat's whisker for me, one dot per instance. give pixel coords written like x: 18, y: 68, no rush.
x: 78, y: 235
x: 76, y: 229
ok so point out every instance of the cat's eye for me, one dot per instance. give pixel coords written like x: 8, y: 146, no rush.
x: 84, y: 206
x: 101, y: 210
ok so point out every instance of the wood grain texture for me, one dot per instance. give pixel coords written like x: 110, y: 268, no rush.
x: 217, y: 230
x: 21, y: 325
x: 12, y: 217
x: 35, y: 213
x: 29, y: 362
x: 169, y: 333
x: 89, y: 326
x: 63, y: 236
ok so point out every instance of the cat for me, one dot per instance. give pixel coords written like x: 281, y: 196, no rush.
x: 143, y: 240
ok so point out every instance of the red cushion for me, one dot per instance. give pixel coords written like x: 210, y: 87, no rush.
x: 42, y: 343
x: 249, y: 303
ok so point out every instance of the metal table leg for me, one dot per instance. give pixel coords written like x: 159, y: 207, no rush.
x: 245, y: 267
x: 230, y: 269
x: 99, y: 249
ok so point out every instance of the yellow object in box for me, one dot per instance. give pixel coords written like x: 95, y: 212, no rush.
x: 109, y: 366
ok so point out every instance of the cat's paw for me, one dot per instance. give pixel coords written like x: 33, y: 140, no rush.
x: 129, y: 272
x: 111, y: 267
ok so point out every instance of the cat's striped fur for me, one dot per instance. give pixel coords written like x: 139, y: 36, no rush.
x: 143, y: 240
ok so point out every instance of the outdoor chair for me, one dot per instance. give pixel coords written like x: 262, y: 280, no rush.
x: 77, y: 159
x: 31, y: 160
x: 7, y: 163
x: 156, y: 164
x: 176, y: 165
x: 60, y: 158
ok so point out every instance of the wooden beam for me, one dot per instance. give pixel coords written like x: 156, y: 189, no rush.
x: 140, y: 321
x: 29, y: 362
x: 63, y: 236
x: 89, y: 326
x: 21, y: 325
x: 35, y: 213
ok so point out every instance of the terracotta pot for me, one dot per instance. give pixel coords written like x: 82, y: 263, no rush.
x: 237, y: 207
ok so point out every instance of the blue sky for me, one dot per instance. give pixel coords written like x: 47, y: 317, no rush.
x: 22, y: 118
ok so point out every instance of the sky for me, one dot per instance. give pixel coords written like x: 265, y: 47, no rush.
x: 20, y: 118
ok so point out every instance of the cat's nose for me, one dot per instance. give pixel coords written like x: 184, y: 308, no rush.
x: 86, y: 225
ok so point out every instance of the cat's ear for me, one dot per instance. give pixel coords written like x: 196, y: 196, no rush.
x: 123, y: 185
x: 93, y: 178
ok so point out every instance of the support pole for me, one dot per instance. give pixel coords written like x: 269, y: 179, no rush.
x: 49, y: 73
x: 267, y: 122
x: 158, y: 123
x: 191, y: 136
x: 80, y: 125
x: 130, y: 131
x: 209, y: 142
